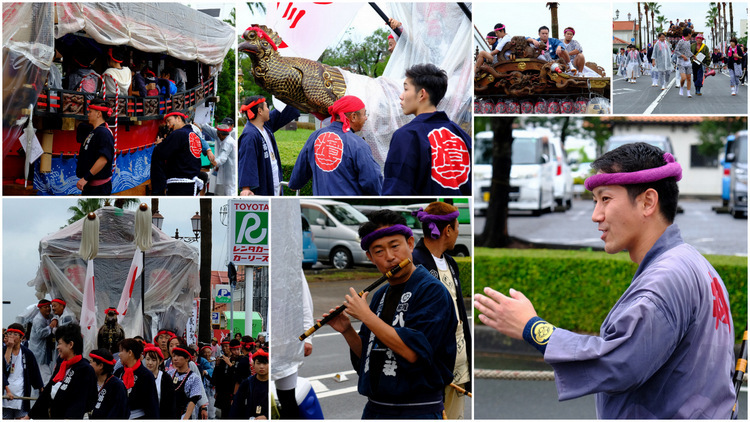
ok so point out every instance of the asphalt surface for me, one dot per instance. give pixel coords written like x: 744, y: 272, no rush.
x: 707, y: 231
x: 642, y: 98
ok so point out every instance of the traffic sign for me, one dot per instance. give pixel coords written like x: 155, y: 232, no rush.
x: 214, y: 318
x: 223, y: 294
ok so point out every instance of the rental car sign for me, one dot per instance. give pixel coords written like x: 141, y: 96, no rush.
x: 248, y: 232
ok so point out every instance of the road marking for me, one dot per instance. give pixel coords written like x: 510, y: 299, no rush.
x: 331, y: 375
x: 318, y: 386
x: 331, y: 393
x: 653, y: 105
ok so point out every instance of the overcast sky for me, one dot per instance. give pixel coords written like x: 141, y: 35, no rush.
x: 592, y: 22
x: 26, y: 220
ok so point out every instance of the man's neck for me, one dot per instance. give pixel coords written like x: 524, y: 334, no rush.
x: 260, y: 377
x: 179, y: 125
x: 257, y: 123
x: 426, y: 108
x: 403, y: 276
x: 101, y: 378
x: 16, y: 348
x: 647, y: 241
x: 435, y: 246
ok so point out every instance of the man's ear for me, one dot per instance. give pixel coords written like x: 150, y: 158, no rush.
x: 410, y: 242
x: 650, y: 201
x: 369, y: 257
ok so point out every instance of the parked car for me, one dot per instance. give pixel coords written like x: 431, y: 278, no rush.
x: 736, y: 156
x: 309, y: 250
x: 563, y: 174
x: 411, y: 221
x: 334, y: 225
x: 659, y: 141
x: 531, y: 173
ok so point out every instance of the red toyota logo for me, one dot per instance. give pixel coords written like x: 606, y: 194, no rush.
x: 328, y: 151
x: 195, y: 145
x: 450, y: 158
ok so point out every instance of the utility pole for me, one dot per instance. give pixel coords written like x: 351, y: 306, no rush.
x: 204, y: 317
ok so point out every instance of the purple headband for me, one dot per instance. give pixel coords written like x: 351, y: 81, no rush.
x: 430, y: 219
x: 385, y: 231
x: 671, y: 169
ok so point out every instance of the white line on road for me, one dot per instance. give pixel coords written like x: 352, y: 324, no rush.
x: 331, y: 375
x: 318, y: 386
x: 653, y: 105
x: 336, y: 392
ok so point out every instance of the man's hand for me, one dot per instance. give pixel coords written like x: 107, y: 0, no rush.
x: 507, y: 315
x: 81, y: 183
x: 340, y: 323
x: 393, y: 23
x: 203, y: 413
x: 308, y: 349
x: 357, y: 306
x: 53, y: 324
x: 246, y: 192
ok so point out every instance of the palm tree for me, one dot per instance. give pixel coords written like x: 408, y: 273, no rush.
x: 661, y: 20
x: 731, y: 21
x: 553, y: 13
x: 639, y: 40
x: 88, y: 205
x: 654, y: 7
x: 645, y: 11
x: 710, y: 23
x: 724, y: 13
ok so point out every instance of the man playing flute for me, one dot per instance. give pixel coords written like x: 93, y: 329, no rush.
x: 405, y: 350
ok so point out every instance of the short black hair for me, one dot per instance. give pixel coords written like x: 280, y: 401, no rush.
x: 660, y: 34
x: 101, y: 103
x: 686, y: 32
x: 641, y: 156
x: 499, y: 27
x: 733, y: 39
x: 119, y: 52
x: 542, y: 27
x: 380, y: 218
x: 439, y: 208
x: 132, y: 345
x: 249, y: 100
x: 431, y: 78
x: 71, y: 333
x: 106, y: 354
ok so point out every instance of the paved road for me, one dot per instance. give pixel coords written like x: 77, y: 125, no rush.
x: 339, y: 400
x: 642, y: 98
x: 707, y: 231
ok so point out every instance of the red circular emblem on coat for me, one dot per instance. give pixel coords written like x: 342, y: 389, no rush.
x: 329, y: 148
x: 195, y: 144
x: 450, y: 158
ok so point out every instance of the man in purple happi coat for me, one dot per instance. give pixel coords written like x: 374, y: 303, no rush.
x: 666, y: 348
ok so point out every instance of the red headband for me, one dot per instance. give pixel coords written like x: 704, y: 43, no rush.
x: 234, y: 347
x: 180, y: 349
x: 60, y: 301
x: 112, y: 57
x: 262, y: 34
x: 391, y: 37
x: 224, y: 128
x: 151, y: 348
x: 14, y: 330
x: 345, y: 104
x: 101, y: 359
x: 250, y: 114
x: 175, y: 113
x: 225, y: 342
x: 206, y: 347
x: 39, y: 305
x: 106, y: 311
x: 161, y: 332
x: 248, y: 344
x: 259, y: 353
x: 103, y: 109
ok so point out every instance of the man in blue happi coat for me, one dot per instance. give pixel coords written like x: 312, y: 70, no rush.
x: 405, y: 350
x: 260, y: 171
x: 338, y: 161
x: 665, y: 350
x: 430, y: 155
x: 175, y: 161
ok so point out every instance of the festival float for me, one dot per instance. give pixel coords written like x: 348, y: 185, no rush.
x: 520, y: 83
x: 40, y: 119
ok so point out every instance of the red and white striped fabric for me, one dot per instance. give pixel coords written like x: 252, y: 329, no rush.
x: 136, y: 267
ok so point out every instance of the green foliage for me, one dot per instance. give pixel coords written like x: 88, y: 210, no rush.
x: 576, y: 289
x: 359, y: 57
x: 598, y: 130
x: 226, y: 88
x: 713, y: 133
x: 464, y: 273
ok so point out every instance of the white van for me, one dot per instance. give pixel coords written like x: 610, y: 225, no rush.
x: 334, y: 225
x: 532, y: 174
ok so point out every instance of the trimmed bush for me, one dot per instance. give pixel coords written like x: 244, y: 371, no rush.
x: 464, y: 273
x: 576, y: 289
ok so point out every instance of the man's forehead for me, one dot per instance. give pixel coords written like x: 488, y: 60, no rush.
x: 610, y: 189
x: 387, y: 240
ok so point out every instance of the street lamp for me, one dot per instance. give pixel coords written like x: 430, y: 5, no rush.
x: 617, y: 14
x: 195, y: 222
x: 157, y: 219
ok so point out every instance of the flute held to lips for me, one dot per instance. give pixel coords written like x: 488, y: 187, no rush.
x: 341, y: 308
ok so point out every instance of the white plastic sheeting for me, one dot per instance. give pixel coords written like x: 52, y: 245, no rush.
x: 170, y: 267
x: 287, y: 280
x: 437, y: 33
x: 171, y: 28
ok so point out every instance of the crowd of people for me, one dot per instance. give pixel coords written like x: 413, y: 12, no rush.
x: 430, y: 155
x: 128, y: 378
x: 688, y: 56
x: 566, y: 50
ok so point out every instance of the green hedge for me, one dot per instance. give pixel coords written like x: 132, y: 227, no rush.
x: 576, y: 289
x: 464, y: 273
